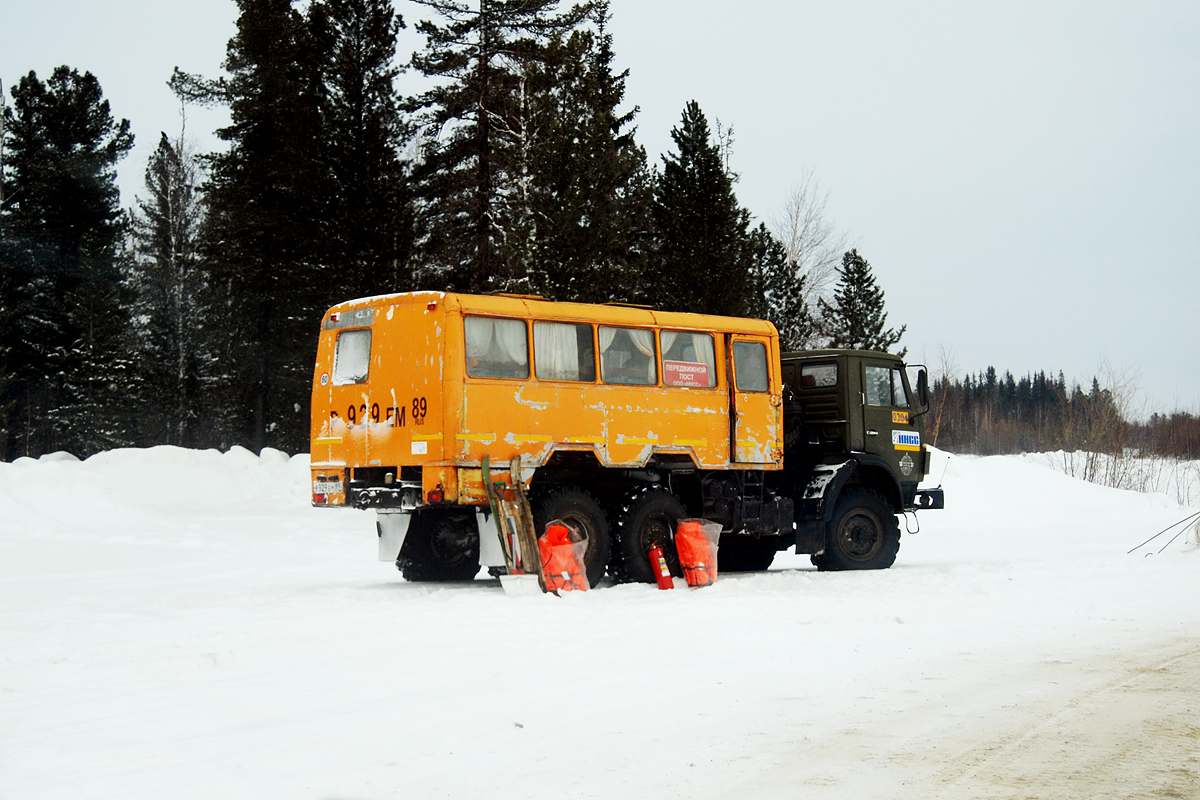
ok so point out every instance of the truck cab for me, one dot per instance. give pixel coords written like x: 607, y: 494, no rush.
x: 854, y: 426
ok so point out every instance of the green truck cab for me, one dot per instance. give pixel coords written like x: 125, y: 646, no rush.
x: 855, y: 453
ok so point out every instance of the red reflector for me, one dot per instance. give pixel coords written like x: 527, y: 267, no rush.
x: 437, y: 496
x: 319, y: 499
x: 431, y: 306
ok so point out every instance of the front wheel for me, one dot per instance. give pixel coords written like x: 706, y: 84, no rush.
x: 863, y: 534
x: 580, y: 510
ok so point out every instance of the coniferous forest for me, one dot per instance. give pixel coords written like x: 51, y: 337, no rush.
x: 190, y: 318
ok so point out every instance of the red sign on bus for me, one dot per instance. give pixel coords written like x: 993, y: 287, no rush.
x: 685, y: 373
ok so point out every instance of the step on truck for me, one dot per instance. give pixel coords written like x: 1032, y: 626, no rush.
x: 625, y: 420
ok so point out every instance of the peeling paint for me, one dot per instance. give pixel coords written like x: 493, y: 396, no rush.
x: 540, y: 406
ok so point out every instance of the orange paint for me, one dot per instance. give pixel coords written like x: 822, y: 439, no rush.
x: 418, y: 404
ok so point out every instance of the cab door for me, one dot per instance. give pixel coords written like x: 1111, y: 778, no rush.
x: 755, y: 418
x: 888, y: 430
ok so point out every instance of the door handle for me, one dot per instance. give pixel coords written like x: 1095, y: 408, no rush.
x: 872, y: 433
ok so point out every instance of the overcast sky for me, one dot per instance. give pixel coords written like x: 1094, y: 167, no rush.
x: 1024, y: 177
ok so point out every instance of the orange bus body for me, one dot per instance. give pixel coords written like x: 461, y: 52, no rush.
x: 417, y: 405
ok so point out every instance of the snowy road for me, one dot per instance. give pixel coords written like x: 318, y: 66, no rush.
x: 180, y: 624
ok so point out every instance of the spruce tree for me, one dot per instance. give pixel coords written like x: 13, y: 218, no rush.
x: 776, y: 290
x: 592, y: 189
x: 370, y: 226
x: 699, y: 262
x: 61, y: 233
x: 856, y: 318
x: 474, y: 176
x: 169, y: 314
x: 267, y: 219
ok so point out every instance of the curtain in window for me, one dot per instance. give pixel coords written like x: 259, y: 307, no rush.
x: 556, y: 351
x: 478, y: 333
x: 707, y: 354
x: 510, y: 335
x: 644, y: 342
x: 606, y: 338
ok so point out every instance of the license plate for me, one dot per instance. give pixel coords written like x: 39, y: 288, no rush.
x: 327, y: 487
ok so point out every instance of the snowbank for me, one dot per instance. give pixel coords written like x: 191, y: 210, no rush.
x: 182, y: 624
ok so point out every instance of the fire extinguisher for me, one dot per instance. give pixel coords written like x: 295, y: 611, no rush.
x: 662, y: 573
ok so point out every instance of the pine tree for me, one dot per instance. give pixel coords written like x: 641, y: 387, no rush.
x: 700, y: 257
x: 474, y: 177
x: 776, y: 290
x: 169, y: 314
x: 856, y: 318
x: 370, y: 230
x: 61, y: 232
x: 267, y: 219
x: 591, y: 186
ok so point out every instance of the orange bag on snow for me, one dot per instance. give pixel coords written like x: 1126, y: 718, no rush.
x: 696, y: 542
x: 562, y: 548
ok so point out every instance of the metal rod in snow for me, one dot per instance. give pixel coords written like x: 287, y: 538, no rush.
x: 1181, y: 532
x: 1183, y: 521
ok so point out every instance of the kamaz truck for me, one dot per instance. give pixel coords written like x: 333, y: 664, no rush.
x: 623, y: 421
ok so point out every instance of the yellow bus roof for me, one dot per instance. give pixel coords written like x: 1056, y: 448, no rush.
x: 536, y: 308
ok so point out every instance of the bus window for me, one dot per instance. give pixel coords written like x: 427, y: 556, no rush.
x: 750, y: 363
x: 352, y: 357
x: 627, y: 356
x: 563, y: 351
x: 496, y: 348
x: 689, y: 359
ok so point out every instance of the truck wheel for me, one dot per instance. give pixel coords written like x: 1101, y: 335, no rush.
x: 863, y: 533
x: 579, y: 509
x: 745, y: 553
x: 440, y: 546
x: 649, y: 514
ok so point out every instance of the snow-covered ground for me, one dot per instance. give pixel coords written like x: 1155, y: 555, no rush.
x: 180, y: 624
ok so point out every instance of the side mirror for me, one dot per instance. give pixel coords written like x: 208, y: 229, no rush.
x: 923, y: 388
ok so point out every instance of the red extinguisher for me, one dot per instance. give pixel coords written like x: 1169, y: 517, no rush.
x: 662, y: 573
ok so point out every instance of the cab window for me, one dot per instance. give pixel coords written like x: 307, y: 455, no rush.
x: 496, y: 348
x: 818, y: 376
x: 750, y: 363
x: 899, y: 398
x: 689, y: 359
x: 563, y: 351
x: 627, y: 356
x: 885, y: 387
x: 352, y: 357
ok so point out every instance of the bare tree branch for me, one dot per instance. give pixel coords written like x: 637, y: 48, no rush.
x: 814, y: 246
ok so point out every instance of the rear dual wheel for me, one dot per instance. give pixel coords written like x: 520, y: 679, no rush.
x: 647, y: 515
x: 440, y: 546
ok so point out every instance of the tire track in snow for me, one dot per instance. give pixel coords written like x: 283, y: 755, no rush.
x: 1136, y: 735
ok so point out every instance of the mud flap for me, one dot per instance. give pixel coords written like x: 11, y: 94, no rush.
x: 815, y: 504
x: 392, y: 530
x: 491, y: 554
